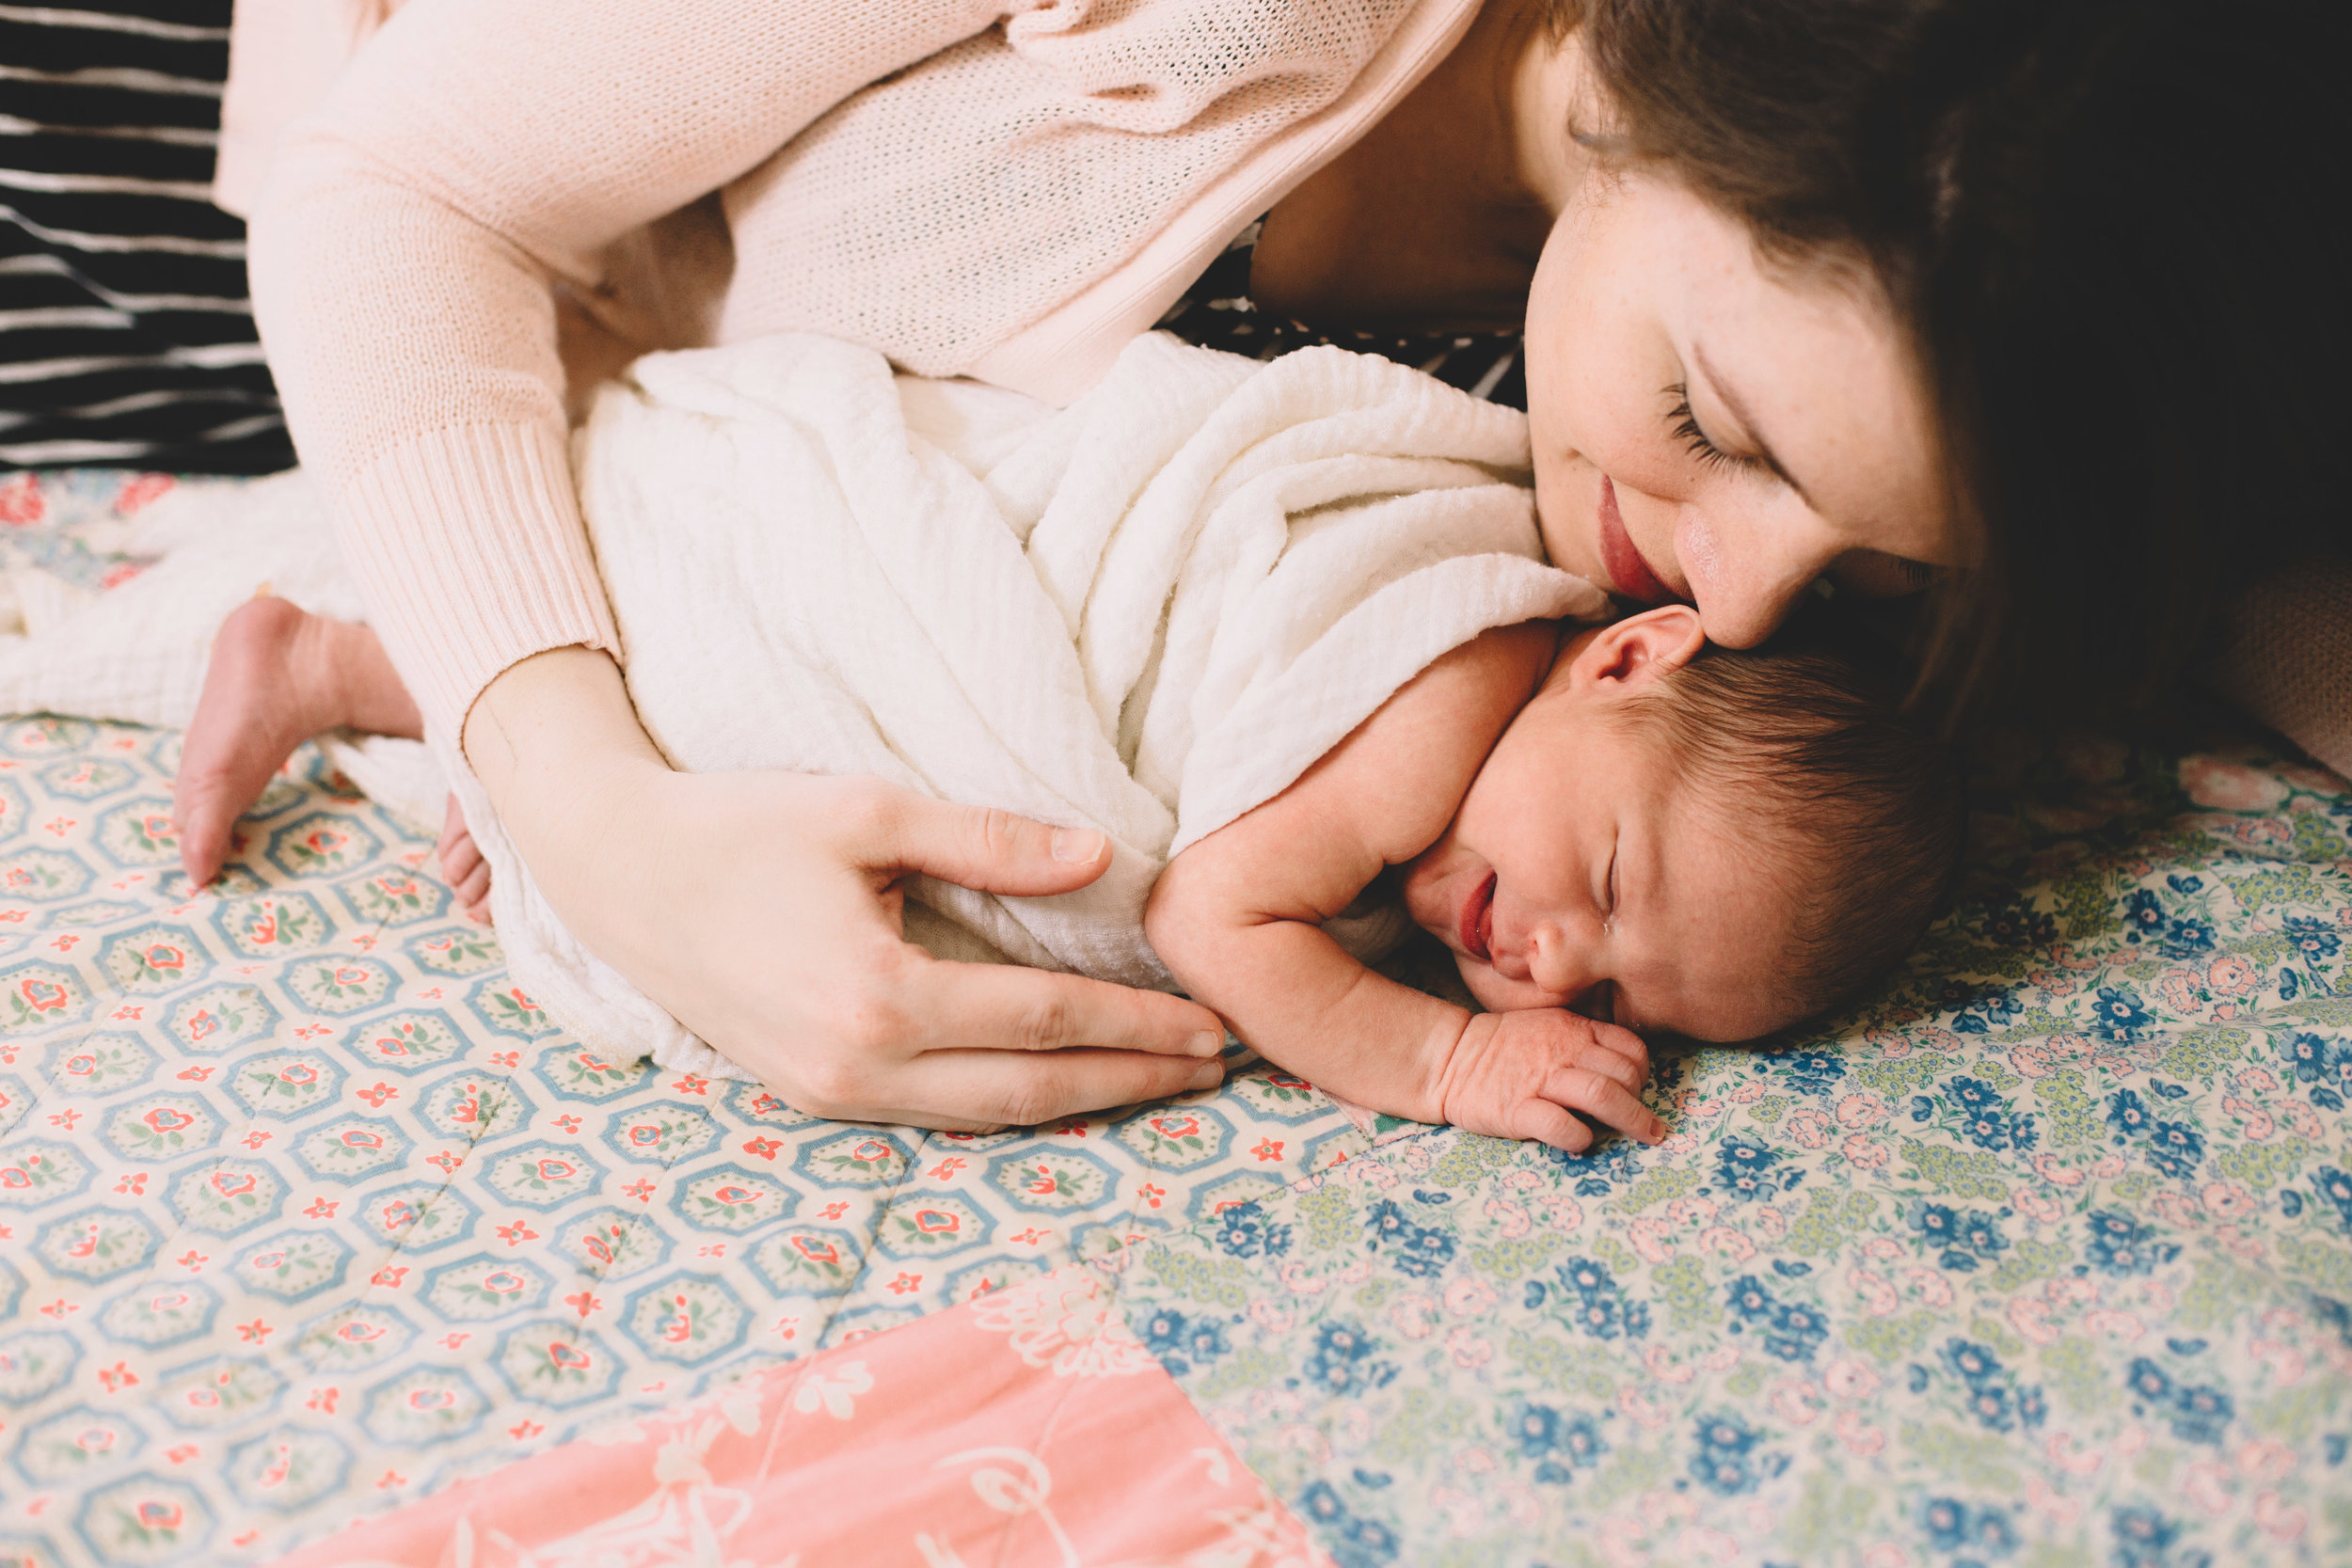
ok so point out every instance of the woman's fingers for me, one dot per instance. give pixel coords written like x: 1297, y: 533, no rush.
x: 1000, y: 1008
x: 1606, y: 1099
x: 976, y: 846
x: 983, y: 1090
x: 758, y: 909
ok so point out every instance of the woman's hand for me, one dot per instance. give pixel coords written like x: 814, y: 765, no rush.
x: 763, y: 910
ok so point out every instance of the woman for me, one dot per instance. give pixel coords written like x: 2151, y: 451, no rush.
x: 2028, y: 302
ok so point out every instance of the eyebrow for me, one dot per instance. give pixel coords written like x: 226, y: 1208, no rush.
x: 1755, y: 432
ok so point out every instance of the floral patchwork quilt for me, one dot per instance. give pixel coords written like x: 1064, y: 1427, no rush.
x: 318, y: 1237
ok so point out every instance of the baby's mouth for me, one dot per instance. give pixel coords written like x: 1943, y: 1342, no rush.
x: 1476, y: 923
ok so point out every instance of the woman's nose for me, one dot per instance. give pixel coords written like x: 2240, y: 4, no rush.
x: 1745, y: 579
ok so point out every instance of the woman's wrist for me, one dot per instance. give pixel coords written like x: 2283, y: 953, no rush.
x: 545, y: 717
x: 556, y: 744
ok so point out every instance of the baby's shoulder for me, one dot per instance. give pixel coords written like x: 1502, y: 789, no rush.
x: 1403, y: 773
x: 1486, y: 680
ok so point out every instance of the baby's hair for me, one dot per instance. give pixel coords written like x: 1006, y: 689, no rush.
x: 1860, y: 806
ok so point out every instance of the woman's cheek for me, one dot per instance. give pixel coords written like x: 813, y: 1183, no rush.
x: 1567, y: 514
x: 1591, y: 433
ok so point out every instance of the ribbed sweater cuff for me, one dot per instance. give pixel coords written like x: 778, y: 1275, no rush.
x: 471, y: 554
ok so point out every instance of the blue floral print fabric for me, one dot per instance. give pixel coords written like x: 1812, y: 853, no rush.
x: 2042, y: 1257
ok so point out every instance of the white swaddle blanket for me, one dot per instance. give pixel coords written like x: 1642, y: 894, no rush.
x: 1146, y: 613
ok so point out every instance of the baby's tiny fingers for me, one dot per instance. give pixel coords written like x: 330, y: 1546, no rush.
x: 1585, y: 1090
x: 1613, y: 1067
x: 1548, y: 1123
x: 1623, y: 1042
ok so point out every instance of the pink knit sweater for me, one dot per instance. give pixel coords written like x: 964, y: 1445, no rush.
x: 1007, y: 189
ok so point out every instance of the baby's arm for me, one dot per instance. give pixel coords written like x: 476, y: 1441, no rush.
x: 1236, y: 919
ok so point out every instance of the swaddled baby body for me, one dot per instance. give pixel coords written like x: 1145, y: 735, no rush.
x: 1615, y: 830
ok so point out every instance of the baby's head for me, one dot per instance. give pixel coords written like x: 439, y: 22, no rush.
x: 1693, y: 840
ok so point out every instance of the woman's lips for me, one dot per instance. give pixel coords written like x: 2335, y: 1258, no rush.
x: 1621, y: 560
x: 1475, y: 925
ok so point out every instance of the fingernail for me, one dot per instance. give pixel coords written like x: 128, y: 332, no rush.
x: 1077, y: 844
x: 1205, y: 1044
x: 1208, y: 1075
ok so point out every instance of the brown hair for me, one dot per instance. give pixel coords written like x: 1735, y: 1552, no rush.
x: 2111, y: 226
x: 1812, y: 763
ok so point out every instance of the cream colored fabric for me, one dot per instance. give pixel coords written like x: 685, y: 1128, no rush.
x: 2284, y: 655
x: 137, y: 652
x: 1146, y: 613
x: 1008, y: 190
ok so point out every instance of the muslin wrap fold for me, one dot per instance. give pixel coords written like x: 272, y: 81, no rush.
x: 1148, y: 612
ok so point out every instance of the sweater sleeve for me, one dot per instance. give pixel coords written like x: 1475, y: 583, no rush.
x: 2285, y: 655
x: 407, y: 249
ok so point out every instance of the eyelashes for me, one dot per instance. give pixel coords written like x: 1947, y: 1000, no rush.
x: 1917, y: 577
x: 1685, y: 425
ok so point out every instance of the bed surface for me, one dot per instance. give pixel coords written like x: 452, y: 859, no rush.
x: 2042, y: 1257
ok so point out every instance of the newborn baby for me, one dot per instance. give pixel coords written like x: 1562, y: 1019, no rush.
x: 1615, y: 820
x: 1270, y: 630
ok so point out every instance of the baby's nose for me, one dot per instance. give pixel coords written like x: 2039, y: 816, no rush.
x: 1555, y: 962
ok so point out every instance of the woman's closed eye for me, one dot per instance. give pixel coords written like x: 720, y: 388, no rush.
x: 1687, y: 429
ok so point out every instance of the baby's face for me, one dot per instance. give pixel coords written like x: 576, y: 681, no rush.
x: 1581, y: 872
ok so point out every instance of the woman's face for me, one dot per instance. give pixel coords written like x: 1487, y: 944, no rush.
x: 1713, y: 428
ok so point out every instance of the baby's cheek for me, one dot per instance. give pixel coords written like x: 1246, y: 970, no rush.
x: 1499, y: 996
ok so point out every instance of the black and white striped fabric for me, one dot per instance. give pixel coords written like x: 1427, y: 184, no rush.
x: 1218, y: 312
x: 126, y: 338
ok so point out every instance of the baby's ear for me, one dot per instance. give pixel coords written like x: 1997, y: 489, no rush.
x: 1632, y: 651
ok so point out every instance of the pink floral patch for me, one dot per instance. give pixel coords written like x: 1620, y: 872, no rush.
x: 958, y: 1436
x: 140, y: 491
x: 2226, y: 785
x: 22, y: 504
x: 2233, y: 976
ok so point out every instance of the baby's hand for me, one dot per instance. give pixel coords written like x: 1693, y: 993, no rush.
x: 1518, y: 1075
